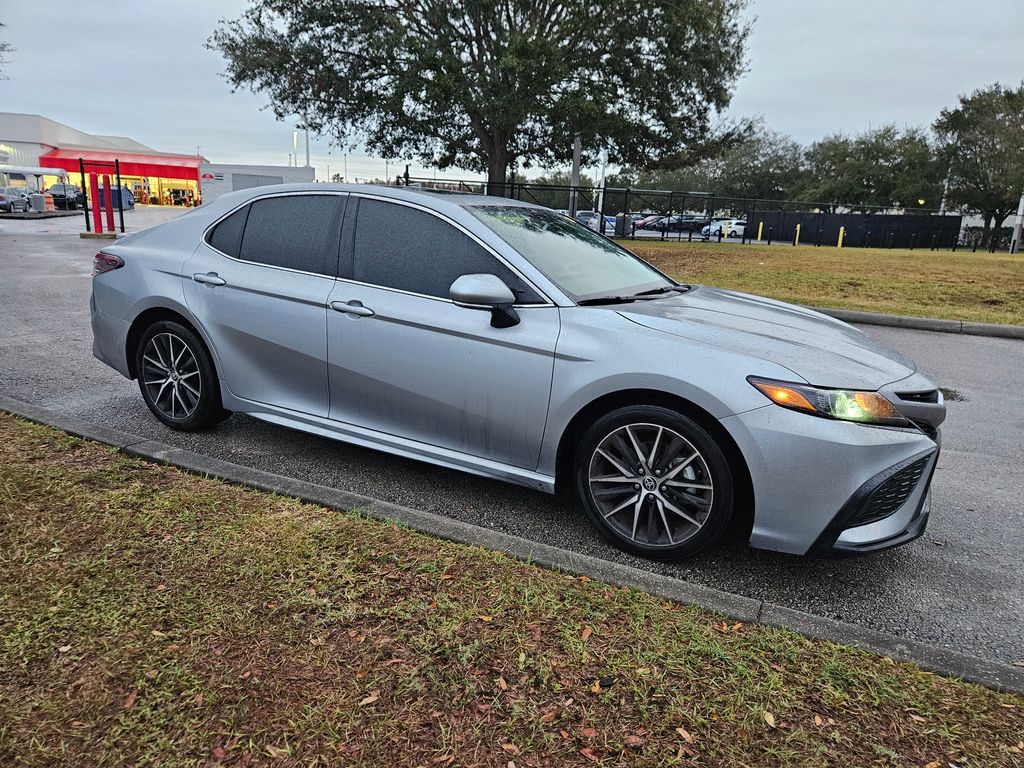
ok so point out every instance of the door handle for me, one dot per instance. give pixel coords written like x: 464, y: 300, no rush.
x: 352, y: 308
x: 209, y: 278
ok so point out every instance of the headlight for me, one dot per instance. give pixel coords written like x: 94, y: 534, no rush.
x: 842, y: 404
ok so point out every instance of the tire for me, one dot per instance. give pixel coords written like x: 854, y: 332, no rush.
x: 177, y: 378
x: 668, y: 509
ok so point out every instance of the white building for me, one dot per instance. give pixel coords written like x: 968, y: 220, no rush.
x: 218, y: 178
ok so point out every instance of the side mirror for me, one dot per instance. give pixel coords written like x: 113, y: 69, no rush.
x: 487, y: 292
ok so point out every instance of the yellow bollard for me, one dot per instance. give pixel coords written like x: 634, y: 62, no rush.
x: 760, y: 226
x: 842, y: 231
x: 725, y: 230
x: 796, y: 238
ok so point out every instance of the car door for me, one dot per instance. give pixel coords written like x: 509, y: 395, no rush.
x: 259, y: 284
x: 406, y: 361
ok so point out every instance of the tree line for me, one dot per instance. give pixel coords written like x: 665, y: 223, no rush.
x: 971, y: 160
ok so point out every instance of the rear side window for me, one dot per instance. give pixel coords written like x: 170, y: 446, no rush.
x: 292, y: 232
x: 401, y: 247
x: 226, y: 237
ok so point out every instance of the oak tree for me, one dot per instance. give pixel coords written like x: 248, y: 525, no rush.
x: 480, y: 84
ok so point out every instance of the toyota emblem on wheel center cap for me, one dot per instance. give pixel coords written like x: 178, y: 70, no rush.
x: 650, y: 483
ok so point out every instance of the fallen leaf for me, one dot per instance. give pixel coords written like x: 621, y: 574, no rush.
x: 564, y: 734
x: 770, y: 719
x: 587, y: 632
x: 78, y: 724
x: 161, y: 587
x: 199, y: 699
x: 584, y: 578
x: 918, y: 719
x: 687, y: 736
x: 512, y: 749
x: 374, y: 695
x: 736, y: 627
x: 446, y: 576
x: 219, y: 753
x: 589, y: 733
x: 549, y: 716
x: 817, y: 720
x: 483, y: 708
x: 502, y: 684
x: 276, y: 752
x: 934, y: 764
x: 158, y: 633
x: 64, y: 648
x: 486, y: 618
x: 633, y: 741
x: 445, y: 759
x: 590, y: 753
x: 129, y: 700
x: 596, y: 687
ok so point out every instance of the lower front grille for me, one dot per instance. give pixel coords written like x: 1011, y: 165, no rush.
x: 892, y: 494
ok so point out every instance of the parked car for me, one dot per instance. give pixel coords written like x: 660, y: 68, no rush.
x: 727, y: 227
x: 592, y: 220
x: 505, y: 340
x: 65, y: 196
x: 680, y: 223
x: 648, y: 221
x: 13, y: 199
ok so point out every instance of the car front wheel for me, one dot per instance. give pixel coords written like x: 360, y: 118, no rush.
x: 654, y: 482
x: 177, y: 379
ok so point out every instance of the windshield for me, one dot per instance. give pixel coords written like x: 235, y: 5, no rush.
x: 578, y: 260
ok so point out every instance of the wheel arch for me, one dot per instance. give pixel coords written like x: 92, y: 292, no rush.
x: 743, y: 513
x: 153, y: 315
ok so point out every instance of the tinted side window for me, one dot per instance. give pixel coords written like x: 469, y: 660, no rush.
x: 411, y: 250
x: 291, y: 231
x: 226, y: 237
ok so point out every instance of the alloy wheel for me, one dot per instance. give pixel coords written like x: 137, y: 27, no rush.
x: 651, y: 485
x: 170, y: 374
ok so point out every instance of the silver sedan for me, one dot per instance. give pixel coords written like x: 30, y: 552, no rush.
x: 503, y: 339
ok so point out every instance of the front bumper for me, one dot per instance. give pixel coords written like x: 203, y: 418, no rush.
x: 813, y: 481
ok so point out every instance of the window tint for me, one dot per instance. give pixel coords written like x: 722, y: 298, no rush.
x: 226, y: 237
x: 411, y: 250
x: 291, y: 231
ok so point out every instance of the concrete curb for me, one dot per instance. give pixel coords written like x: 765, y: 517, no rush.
x: 951, y: 663
x: 924, y: 323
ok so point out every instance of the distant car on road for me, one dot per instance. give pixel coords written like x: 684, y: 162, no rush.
x: 13, y: 199
x: 727, y: 227
x: 500, y: 338
x: 66, y: 197
x: 680, y: 222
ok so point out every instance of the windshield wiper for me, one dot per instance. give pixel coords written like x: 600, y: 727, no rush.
x: 663, y: 290
x: 605, y: 300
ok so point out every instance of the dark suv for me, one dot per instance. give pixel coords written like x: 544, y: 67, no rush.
x: 66, y: 196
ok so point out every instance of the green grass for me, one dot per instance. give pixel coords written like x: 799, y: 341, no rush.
x: 151, y: 617
x: 978, y: 287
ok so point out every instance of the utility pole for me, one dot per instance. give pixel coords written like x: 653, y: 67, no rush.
x: 574, y: 181
x: 1017, y: 226
x: 307, y: 143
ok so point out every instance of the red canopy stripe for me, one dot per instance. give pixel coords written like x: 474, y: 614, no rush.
x: 132, y: 164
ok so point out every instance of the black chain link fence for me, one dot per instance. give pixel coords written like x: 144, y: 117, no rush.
x: 701, y: 216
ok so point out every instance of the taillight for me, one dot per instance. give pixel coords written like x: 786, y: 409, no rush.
x: 104, y: 262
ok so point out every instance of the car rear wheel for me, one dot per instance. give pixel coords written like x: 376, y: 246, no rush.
x: 654, y: 482
x: 177, y: 379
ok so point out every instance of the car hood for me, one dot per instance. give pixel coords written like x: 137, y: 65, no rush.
x: 824, y: 351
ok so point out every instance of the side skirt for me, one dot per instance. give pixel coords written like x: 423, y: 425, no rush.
x: 399, y: 446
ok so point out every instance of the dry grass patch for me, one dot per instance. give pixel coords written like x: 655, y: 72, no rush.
x: 151, y: 617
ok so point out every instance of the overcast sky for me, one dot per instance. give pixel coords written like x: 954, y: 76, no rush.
x: 815, y: 67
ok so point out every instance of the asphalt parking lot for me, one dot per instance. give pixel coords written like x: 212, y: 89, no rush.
x: 961, y: 586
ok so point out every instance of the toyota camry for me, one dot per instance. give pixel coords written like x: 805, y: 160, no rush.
x: 504, y: 339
